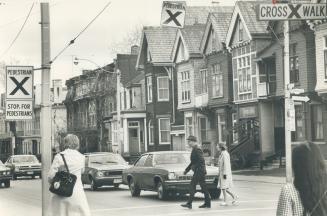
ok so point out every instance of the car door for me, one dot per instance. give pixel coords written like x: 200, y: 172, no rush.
x: 138, y: 171
x: 9, y: 164
x: 148, y: 173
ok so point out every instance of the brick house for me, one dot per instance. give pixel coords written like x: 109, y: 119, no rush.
x: 246, y: 36
x: 90, y: 98
x: 132, y: 106
x: 319, y: 111
x: 218, y: 67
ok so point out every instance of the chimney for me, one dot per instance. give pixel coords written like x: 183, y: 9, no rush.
x: 57, y: 90
x: 135, y: 50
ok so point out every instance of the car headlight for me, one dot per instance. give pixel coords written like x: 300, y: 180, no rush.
x: 16, y: 168
x: 100, y: 174
x: 8, y: 173
x: 172, y: 175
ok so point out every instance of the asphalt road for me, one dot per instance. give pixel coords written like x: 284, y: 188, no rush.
x: 23, y: 198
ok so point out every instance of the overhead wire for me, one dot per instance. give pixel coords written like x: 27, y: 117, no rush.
x: 19, y: 32
x: 80, y: 33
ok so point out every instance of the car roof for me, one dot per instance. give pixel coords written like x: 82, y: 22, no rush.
x: 22, y: 155
x: 167, y: 152
x: 99, y: 153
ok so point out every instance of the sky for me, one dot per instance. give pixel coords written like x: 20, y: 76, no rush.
x: 67, y: 19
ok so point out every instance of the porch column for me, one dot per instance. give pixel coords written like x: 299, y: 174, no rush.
x: 145, y: 135
x: 125, y: 135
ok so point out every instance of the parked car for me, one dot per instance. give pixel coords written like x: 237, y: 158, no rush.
x: 5, y: 175
x: 24, y: 165
x: 163, y: 172
x: 103, y: 168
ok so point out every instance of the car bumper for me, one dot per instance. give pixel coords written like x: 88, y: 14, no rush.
x: 184, y: 185
x: 5, y: 178
x: 108, y: 180
x: 27, y: 172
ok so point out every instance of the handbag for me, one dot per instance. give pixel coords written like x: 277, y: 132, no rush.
x: 63, y: 182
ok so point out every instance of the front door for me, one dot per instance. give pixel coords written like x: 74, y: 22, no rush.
x: 134, y: 140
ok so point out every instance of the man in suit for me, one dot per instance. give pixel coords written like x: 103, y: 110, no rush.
x: 198, y: 167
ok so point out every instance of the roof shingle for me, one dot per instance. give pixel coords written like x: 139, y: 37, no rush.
x: 192, y: 35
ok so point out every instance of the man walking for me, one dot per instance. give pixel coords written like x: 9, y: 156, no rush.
x: 198, y: 166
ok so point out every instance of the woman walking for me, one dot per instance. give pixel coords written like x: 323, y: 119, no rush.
x: 225, y: 174
x: 76, y: 205
x: 307, y: 195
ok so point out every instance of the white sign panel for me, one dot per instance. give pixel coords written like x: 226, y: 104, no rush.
x: 19, y: 110
x: 173, y: 14
x: 291, y: 115
x: 301, y: 98
x: 19, y: 82
x: 283, y: 11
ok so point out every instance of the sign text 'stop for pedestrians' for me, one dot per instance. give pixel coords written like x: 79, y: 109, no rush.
x: 19, y: 82
x: 173, y: 14
x: 283, y: 11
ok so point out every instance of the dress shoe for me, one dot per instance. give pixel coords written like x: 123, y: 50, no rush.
x: 205, y: 205
x: 187, y: 205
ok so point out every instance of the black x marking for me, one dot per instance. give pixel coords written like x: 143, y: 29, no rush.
x: 294, y: 10
x: 19, y: 86
x: 172, y: 17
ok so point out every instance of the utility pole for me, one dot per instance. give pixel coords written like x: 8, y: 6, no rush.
x: 45, y: 104
x: 119, y: 140
x: 288, y: 141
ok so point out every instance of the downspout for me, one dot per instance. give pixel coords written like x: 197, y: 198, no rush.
x: 170, y: 72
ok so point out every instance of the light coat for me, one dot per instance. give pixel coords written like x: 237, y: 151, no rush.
x: 77, y: 204
x: 225, y: 169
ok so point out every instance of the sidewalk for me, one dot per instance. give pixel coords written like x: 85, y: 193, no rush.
x: 275, y: 176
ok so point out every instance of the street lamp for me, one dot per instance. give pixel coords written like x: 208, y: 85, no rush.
x: 117, y: 72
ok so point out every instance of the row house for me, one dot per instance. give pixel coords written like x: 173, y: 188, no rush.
x: 90, y: 98
x: 166, y: 130
x: 132, y: 109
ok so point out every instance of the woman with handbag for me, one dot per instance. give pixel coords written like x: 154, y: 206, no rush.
x: 225, y: 174
x: 74, y: 161
x: 307, y: 195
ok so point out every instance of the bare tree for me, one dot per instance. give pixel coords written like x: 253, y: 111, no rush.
x: 123, y: 46
x: 2, y: 76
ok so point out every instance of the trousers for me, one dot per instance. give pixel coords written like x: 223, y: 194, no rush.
x: 199, y: 178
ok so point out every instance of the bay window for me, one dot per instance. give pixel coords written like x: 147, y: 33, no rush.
x: 163, y: 89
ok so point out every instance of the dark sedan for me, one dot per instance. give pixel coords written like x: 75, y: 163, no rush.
x: 103, y: 168
x: 24, y: 165
x: 5, y: 175
x: 163, y: 172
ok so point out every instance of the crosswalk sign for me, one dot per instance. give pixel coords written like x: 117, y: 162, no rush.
x: 173, y: 14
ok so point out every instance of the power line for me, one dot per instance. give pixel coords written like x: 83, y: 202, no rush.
x: 80, y: 33
x: 19, y: 32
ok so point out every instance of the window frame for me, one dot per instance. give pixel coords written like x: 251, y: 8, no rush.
x: 159, y: 127
x: 151, y: 128
x: 313, y: 125
x: 241, y: 67
x: 240, y: 31
x: 149, y: 89
x: 294, y: 57
x: 185, y: 86
x: 158, y: 88
x: 204, y: 80
x: 217, y: 76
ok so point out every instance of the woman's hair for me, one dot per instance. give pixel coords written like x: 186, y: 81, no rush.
x: 310, y: 178
x: 71, y: 141
x: 222, y: 146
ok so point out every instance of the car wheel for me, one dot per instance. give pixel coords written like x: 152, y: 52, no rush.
x: 116, y: 185
x: 134, y: 188
x: 14, y: 177
x: 7, y: 183
x: 162, y: 193
x: 33, y: 176
x: 94, y: 186
x: 215, y: 193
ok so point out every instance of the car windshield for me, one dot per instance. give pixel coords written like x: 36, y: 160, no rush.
x: 172, y: 158
x: 25, y: 159
x: 1, y: 164
x: 107, y: 159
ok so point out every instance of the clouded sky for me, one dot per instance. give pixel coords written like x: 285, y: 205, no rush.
x: 67, y: 19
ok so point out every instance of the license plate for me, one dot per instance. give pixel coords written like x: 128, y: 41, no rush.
x: 118, y: 180
x: 30, y: 173
x: 198, y: 187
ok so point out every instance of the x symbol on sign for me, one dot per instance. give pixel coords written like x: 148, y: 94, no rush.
x: 19, y: 85
x: 172, y: 17
x: 294, y: 11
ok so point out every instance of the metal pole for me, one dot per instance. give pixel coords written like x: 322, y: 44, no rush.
x: 288, y: 142
x: 45, y: 104
x: 119, y: 140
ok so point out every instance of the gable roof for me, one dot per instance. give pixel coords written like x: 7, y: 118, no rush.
x: 126, y: 64
x: 246, y: 11
x: 192, y: 36
x: 220, y: 23
x: 199, y: 14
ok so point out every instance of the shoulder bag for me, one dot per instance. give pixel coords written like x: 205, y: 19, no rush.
x: 63, y: 183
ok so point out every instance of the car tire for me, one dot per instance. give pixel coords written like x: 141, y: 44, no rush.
x: 14, y: 177
x: 215, y: 193
x: 134, y: 188
x: 33, y: 176
x: 116, y: 185
x: 94, y: 186
x: 161, y: 191
x: 7, y: 183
